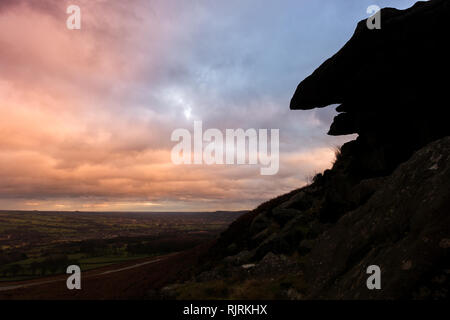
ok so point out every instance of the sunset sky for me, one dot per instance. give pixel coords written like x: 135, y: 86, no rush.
x: 86, y: 115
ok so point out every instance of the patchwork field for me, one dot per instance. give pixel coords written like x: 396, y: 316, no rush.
x: 36, y: 244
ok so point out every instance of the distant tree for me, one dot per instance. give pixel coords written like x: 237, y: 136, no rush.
x: 43, y: 268
x: 55, y: 263
x: 34, y: 266
x: 3, y: 258
x: 14, y: 269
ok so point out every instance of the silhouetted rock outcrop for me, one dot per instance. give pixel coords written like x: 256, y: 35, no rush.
x: 391, y: 84
x: 385, y: 201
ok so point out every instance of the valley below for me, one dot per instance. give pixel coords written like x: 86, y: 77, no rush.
x: 37, y: 247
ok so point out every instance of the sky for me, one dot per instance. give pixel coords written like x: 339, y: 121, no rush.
x: 86, y: 115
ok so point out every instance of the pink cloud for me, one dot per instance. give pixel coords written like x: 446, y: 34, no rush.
x: 72, y: 135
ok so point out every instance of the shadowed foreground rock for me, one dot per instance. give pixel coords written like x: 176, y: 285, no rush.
x: 403, y: 228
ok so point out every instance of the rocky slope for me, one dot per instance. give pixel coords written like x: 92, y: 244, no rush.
x: 386, y: 200
x: 403, y: 228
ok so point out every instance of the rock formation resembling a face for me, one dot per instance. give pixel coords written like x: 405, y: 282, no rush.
x: 390, y: 82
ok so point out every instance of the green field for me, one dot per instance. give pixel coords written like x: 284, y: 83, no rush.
x: 36, y: 244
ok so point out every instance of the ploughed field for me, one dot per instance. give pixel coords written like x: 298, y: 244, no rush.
x: 37, y: 244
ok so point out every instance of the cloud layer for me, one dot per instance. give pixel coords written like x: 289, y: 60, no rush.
x: 86, y: 115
